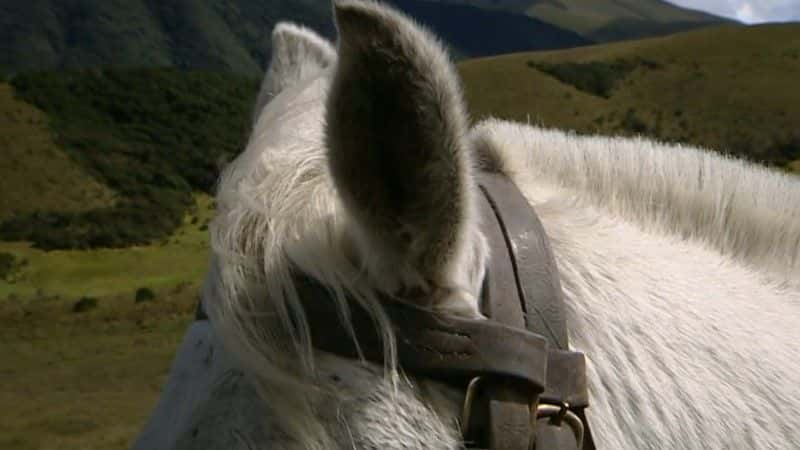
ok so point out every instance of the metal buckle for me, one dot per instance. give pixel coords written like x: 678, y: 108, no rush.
x: 466, y: 408
x: 558, y: 414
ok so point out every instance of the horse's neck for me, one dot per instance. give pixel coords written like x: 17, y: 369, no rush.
x: 681, y: 340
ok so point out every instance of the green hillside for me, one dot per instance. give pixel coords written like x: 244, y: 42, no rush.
x: 733, y: 89
x: 191, y: 34
x: 35, y: 173
x: 152, y: 136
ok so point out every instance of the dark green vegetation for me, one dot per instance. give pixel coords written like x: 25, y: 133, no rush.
x: 199, y: 34
x: 152, y: 136
x: 606, y: 20
x: 84, y: 304
x: 35, y: 173
x: 144, y: 295
x: 70, y: 274
x: 731, y: 89
x: 8, y: 262
x: 594, y: 77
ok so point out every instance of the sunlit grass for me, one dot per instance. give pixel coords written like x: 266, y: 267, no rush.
x: 730, y: 89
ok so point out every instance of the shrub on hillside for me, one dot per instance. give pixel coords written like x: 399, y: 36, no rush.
x: 144, y: 294
x: 633, y: 124
x: 84, y: 304
x: 595, y: 77
x: 7, y: 264
x: 785, y: 149
x: 121, y: 226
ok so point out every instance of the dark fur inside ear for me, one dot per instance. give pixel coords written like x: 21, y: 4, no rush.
x: 395, y: 133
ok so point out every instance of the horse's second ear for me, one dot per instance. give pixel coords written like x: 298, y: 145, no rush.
x: 298, y: 53
x: 395, y: 133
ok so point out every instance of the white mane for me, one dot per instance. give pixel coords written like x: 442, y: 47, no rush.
x: 680, y: 270
x: 745, y: 211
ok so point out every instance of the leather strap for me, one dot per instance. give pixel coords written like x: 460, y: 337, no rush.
x: 532, y: 261
x: 509, y: 420
x: 539, y: 293
x: 449, y: 348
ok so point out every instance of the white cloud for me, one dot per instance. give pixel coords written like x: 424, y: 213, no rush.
x: 746, y: 14
x: 748, y: 11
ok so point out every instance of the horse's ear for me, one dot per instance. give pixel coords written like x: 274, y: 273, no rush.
x: 395, y: 130
x: 297, y: 54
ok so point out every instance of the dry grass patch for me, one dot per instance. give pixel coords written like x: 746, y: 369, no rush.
x: 86, y: 380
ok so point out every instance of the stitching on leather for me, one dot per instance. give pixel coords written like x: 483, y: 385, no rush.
x: 462, y: 355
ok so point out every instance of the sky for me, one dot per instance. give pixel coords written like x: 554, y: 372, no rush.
x: 748, y: 11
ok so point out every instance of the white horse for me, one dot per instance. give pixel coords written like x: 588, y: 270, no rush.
x: 680, y: 268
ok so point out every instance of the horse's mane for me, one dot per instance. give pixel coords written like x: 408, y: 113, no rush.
x: 745, y: 211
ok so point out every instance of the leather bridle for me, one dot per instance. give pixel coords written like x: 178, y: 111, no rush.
x: 524, y: 389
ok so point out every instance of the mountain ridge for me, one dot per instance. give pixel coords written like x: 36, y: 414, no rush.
x: 232, y: 35
x: 606, y: 20
x: 504, y: 32
x: 235, y: 35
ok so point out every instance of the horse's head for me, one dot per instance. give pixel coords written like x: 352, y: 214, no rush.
x: 359, y: 173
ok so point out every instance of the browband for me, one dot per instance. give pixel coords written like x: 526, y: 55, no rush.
x: 445, y: 348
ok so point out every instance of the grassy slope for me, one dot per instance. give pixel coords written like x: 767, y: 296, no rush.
x: 86, y: 381
x: 727, y: 88
x: 114, y: 358
x: 103, y: 272
x: 153, y: 135
x: 35, y: 174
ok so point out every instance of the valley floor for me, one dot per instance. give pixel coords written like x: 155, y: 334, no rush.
x: 89, y: 380
x: 86, y: 380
